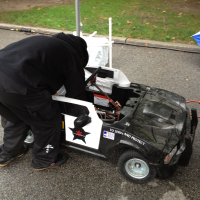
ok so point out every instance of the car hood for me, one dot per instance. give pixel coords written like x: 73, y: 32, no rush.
x: 159, y: 118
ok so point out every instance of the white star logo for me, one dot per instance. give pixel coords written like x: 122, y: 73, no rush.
x: 48, y: 147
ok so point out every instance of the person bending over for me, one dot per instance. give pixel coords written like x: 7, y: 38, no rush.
x: 31, y: 71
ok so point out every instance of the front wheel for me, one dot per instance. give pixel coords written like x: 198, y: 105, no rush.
x: 135, y: 168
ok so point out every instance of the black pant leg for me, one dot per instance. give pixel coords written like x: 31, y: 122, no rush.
x: 13, y: 140
x: 39, y: 111
x: 15, y: 132
x: 46, y: 141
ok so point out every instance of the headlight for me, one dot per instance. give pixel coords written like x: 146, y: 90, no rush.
x: 170, y: 155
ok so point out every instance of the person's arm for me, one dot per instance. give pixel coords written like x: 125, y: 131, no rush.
x: 75, y: 86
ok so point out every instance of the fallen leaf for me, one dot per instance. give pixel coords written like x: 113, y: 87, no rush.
x: 98, y: 11
x: 150, y: 52
x: 180, y: 14
x: 187, y: 79
x: 173, y: 38
x: 146, y: 44
x: 39, y: 9
x: 154, y: 25
x: 146, y: 23
x: 163, y: 11
x: 159, y: 68
x: 129, y: 22
x: 85, y: 18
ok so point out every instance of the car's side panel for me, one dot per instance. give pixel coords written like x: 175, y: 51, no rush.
x: 113, y: 138
x: 87, y: 136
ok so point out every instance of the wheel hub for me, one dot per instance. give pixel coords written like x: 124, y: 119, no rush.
x: 137, y: 168
x: 137, y: 165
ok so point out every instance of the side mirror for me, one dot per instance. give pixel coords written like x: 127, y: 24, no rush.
x: 82, y: 120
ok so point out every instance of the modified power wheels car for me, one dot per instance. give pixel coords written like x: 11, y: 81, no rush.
x: 136, y: 168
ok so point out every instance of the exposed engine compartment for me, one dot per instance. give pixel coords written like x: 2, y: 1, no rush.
x: 111, y: 93
x: 127, y: 97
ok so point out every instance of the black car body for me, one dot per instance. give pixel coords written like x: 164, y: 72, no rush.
x: 153, y: 127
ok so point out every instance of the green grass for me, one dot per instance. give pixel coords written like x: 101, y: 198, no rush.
x: 149, y: 19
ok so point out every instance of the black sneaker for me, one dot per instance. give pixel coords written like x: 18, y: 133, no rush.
x: 61, y: 159
x: 4, y: 161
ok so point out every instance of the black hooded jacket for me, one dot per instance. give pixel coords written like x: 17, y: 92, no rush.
x: 43, y: 62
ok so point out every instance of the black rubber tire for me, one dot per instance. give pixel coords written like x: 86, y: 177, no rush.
x: 127, y: 156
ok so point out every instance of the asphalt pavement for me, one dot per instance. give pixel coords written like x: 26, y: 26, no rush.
x: 84, y: 177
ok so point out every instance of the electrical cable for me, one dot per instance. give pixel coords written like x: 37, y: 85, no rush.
x: 137, y: 45
x: 109, y: 116
x: 26, y: 31
x: 154, y: 47
x: 192, y: 101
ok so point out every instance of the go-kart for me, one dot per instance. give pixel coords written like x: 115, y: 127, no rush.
x: 152, y: 126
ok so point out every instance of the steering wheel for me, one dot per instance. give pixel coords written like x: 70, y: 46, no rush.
x: 92, y: 76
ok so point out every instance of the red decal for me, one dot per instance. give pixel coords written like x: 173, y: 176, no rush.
x: 79, y: 133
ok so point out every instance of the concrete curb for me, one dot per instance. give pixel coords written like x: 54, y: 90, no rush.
x: 170, y: 45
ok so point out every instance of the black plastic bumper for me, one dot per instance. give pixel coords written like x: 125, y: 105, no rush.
x: 166, y: 171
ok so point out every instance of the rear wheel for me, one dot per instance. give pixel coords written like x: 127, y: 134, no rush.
x: 136, y: 168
